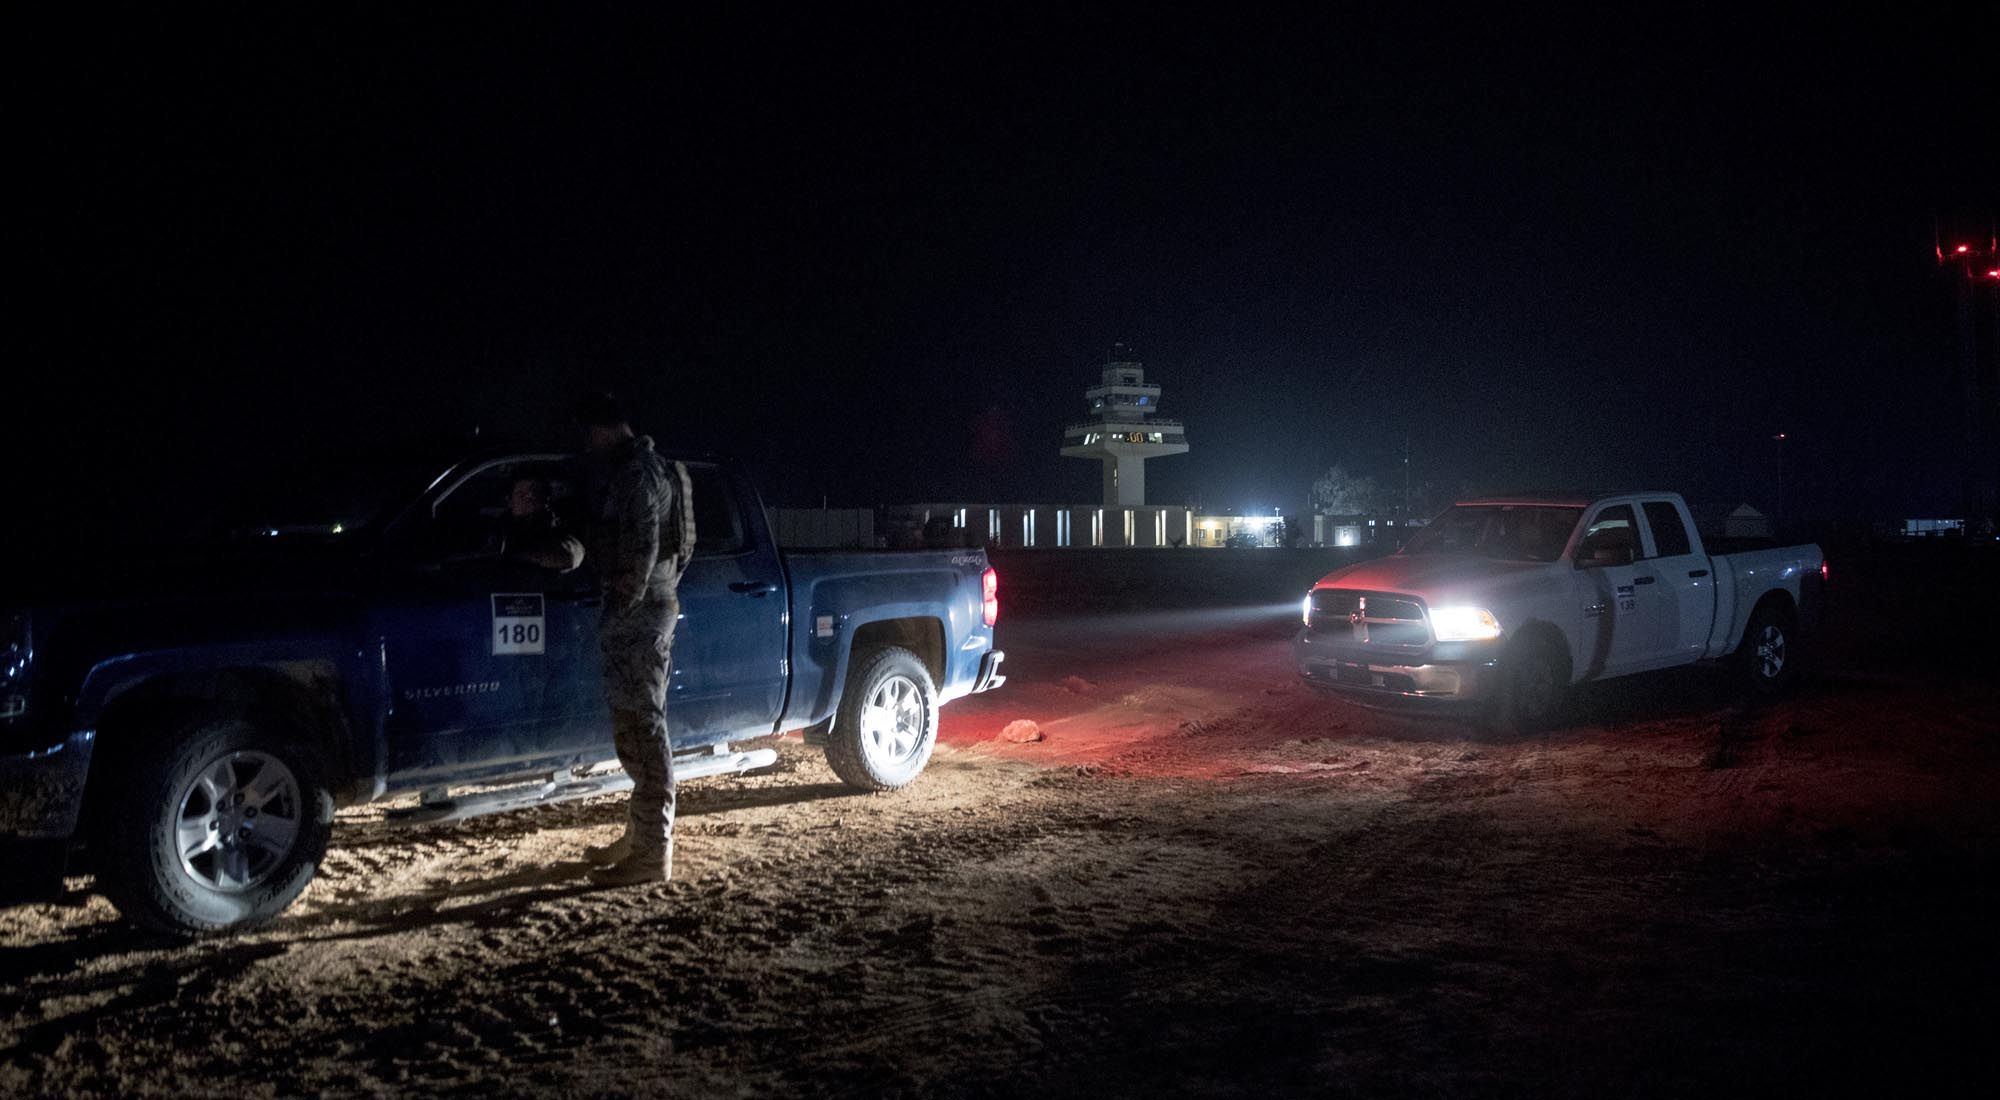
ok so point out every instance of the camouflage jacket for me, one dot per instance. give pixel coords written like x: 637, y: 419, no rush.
x: 642, y: 530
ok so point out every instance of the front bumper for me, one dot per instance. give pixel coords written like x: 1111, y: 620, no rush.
x: 41, y: 790
x: 1444, y: 672
x: 41, y: 796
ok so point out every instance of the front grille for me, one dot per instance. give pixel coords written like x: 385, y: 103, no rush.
x: 1376, y: 618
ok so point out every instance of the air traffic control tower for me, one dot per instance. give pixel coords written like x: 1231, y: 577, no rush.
x: 1123, y: 432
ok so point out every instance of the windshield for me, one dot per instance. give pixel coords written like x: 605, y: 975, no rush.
x: 1504, y: 532
x: 331, y: 499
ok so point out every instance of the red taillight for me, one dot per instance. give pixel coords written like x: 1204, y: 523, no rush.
x: 1823, y: 575
x: 989, y: 596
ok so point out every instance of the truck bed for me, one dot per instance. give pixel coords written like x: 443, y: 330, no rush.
x: 908, y: 588
x: 1742, y: 576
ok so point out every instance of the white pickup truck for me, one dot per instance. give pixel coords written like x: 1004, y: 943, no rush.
x: 1507, y: 602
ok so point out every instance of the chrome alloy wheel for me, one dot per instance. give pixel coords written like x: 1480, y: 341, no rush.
x: 893, y: 722
x: 237, y: 820
x: 1771, y: 651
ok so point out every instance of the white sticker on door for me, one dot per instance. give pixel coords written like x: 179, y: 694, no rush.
x: 518, y: 624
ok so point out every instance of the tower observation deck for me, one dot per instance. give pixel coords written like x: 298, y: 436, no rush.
x: 1124, y: 431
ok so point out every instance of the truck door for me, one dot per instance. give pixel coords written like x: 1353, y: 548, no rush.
x: 728, y: 677
x: 458, y: 701
x: 1685, y: 575
x: 1623, y: 603
x: 472, y: 640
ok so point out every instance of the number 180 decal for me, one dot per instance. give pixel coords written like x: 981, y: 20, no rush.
x: 518, y: 624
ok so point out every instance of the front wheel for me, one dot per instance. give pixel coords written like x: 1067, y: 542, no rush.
x: 887, y: 723
x: 218, y: 828
x: 1533, y: 688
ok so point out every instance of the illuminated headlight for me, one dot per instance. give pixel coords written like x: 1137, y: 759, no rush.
x: 1306, y: 612
x: 1463, y: 624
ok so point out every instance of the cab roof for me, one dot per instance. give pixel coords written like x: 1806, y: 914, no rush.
x: 1571, y: 498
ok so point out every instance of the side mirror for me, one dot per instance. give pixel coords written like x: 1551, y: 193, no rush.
x: 1597, y: 555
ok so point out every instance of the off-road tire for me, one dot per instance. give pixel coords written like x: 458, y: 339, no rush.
x: 137, y: 824
x: 862, y: 752
x: 1533, y: 688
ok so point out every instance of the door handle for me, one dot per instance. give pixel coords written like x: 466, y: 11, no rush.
x: 1697, y: 572
x: 1642, y: 580
x: 753, y: 588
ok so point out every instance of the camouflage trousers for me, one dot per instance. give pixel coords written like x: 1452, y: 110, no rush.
x: 637, y: 647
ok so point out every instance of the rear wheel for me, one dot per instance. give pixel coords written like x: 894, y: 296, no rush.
x: 1534, y: 686
x: 216, y: 827
x: 887, y: 723
x: 1769, y: 654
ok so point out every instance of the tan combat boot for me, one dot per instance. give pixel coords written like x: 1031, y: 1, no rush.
x: 636, y: 868
x: 605, y: 854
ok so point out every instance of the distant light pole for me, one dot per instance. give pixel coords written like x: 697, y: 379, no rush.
x: 1780, y: 439
x: 1972, y: 267
x: 1406, y: 477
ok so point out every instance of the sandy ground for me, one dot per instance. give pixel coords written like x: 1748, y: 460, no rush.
x: 1203, y: 880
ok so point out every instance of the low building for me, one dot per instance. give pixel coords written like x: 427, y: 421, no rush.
x: 1039, y: 525
x: 1065, y: 526
x: 1360, y: 530
x: 1932, y: 528
x: 1746, y: 523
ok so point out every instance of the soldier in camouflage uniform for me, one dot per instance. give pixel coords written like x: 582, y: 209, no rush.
x: 642, y: 537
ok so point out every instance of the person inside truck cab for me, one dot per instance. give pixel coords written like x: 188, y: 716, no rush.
x: 530, y: 532
x: 1611, y: 539
x: 1536, y: 534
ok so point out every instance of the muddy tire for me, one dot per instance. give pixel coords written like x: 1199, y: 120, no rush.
x: 216, y: 826
x: 1533, y: 690
x: 887, y: 724
x: 1769, y: 654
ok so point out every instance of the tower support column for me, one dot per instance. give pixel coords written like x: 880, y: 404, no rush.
x: 1124, y: 481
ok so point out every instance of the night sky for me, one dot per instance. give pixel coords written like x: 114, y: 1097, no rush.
x: 881, y: 257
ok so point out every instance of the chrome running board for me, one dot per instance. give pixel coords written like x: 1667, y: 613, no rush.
x: 722, y: 760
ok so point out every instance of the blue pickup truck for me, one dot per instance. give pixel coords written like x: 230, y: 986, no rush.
x: 184, y: 725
